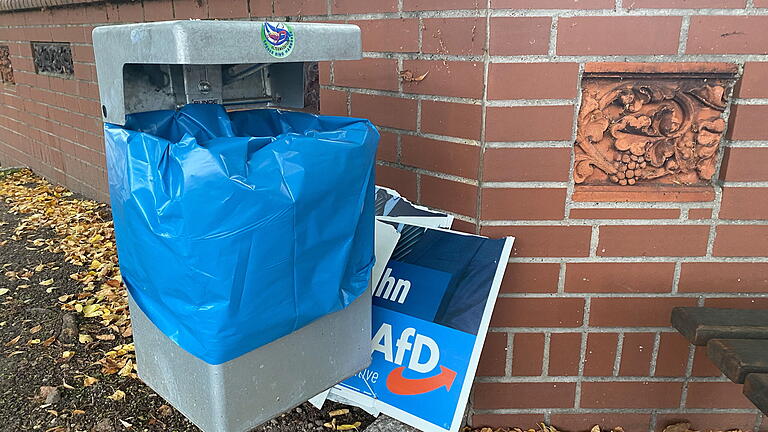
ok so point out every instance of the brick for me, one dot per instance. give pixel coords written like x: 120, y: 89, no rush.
x: 493, y: 359
x: 636, y: 354
x: 449, y: 195
x: 452, y: 119
x: 445, y: 78
x: 704, y: 421
x: 631, y: 394
x: 387, y: 147
x: 626, y: 213
x: 333, y: 102
x: 529, y: 123
x: 385, y: 110
x: 702, y: 367
x: 373, y: 73
x: 629, y: 35
x: 600, y: 355
x: 752, y: 83
x: 420, y: 5
x: 443, y: 156
x: 524, y: 421
x: 532, y: 80
x: 190, y: 9
x: 687, y: 4
x: 402, y: 181
x: 650, y: 240
x: 523, y: 395
x: 523, y: 203
x: 586, y: 420
x: 527, y: 354
x: 526, y: 164
x: 519, y: 35
x: 741, y: 240
x: 716, y: 395
x: 553, y: 4
x: 131, y: 12
x: 728, y: 35
x: 724, y: 277
x: 672, y: 359
x: 354, y: 6
x: 545, y: 241
x: 699, y: 213
x: 230, y: 8
x: 464, y: 226
x: 737, y: 302
x: 538, y: 312
x: 742, y: 164
x: 619, y: 277
x: 745, y: 122
x: 635, y: 312
x: 456, y: 36
x: 389, y: 35
x: 303, y: 7
x: 564, y: 353
x: 530, y: 278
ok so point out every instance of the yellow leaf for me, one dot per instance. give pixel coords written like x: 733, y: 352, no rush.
x: 67, y: 354
x: 36, y: 329
x: 33, y: 342
x: 47, y: 282
x: 84, y: 338
x: 118, y: 395
x: 126, y: 370
x: 78, y: 307
x: 77, y: 412
x: 91, y: 310
x: 95, y: 264
x: 40, y: 268
x: 348, y: 426
x: 89, y: 381
x: 4, y: 291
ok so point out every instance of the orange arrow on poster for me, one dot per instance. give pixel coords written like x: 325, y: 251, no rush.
x: 398, y: 384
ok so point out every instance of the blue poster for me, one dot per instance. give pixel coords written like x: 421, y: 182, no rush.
x: 431, y: 310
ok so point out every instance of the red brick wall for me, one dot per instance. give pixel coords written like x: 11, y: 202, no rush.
x: 581, y: 331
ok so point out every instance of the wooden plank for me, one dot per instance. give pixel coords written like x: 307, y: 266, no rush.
x: 737, y: 358
x: 756, y: 390
x: 700, y: 324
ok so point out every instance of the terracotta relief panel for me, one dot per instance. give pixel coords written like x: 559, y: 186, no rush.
x: 649, y: 125
x: 6, y: 69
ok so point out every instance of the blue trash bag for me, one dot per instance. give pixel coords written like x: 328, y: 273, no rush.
x: 235, y: 229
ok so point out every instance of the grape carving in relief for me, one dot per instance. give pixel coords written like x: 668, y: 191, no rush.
x: 635, y: 132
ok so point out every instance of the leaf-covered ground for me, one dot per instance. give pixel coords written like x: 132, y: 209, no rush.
x: 66, y: 354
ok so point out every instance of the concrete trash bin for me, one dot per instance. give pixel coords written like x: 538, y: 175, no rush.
x: 189, y: 117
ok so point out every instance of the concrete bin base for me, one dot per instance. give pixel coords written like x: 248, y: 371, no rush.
x: 240, y: 394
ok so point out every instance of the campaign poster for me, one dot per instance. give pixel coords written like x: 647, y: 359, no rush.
x: 431, y: 311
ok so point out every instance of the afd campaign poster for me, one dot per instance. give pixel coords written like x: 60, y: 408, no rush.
x: 431, y: 311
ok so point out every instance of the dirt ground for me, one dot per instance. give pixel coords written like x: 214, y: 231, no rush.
x: 66, y: 359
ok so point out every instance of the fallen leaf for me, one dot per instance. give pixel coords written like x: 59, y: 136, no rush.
x: 118, y: 395
x: 48, y: 341
x: 4, y: 291
x: 77, y: 412
x: 67, y: 354
x: 338, y: 412
x: 126, y: 370
x: 89, y: 381
x: 84, y: 338
x: 47, y: 282
x: 13, y: 341
x: 36, y: 329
